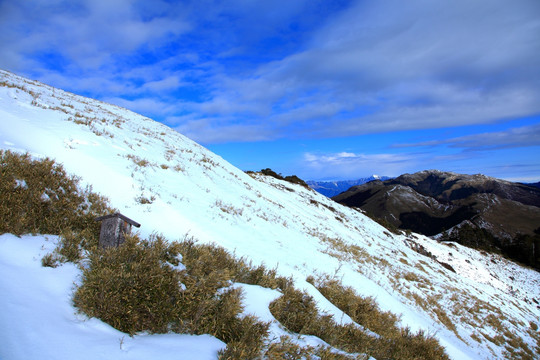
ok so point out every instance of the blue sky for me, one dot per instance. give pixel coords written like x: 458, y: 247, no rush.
x: 320, y: 89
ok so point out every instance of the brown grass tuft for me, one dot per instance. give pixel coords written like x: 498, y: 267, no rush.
x: 38, y: 196
x: 132, y: 287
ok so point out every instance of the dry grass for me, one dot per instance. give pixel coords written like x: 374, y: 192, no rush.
x: 202, y: 259
x: 228, y: 208
x: 480, y: 314
x: 455, y: 306
x: 170, y: 154
x: 363, y: 310
x: 339, y: 249
x: 289, y: 350
x: 298, y: 312
x: 138, y: 161
x: 132, y: 287
x: 145, y: 200
x: 403, y: 261
x: 179, y: 168
x: 38, y: 196
x: 137, y: 287
x: 410, y: 276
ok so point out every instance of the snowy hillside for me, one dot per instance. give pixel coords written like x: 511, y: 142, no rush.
x: 488, y: 308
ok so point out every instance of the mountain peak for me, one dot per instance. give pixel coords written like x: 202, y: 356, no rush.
x: 433, y: 201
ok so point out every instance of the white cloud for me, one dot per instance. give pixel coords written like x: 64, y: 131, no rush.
x: 166, y: 84
x: 149, y: 106
x: 392, y: 65
x: 204, y: 131
x: 375, y: 66
x: 87, y: 33
x: 524, y: 136
x: 347, y: 165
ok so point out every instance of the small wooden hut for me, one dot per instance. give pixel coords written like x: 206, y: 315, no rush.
x: 114, y: 228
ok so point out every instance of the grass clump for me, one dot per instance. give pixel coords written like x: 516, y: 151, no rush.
x: 246, y: 339
x: 140, y: 162
x: 72, y: 247
x: 141, y: 286
x: 376, y: 334
x: 50, y: 260
x: 39, y: 197
x: 203, y: 259
x: 295, y: 310
x: 392, y: 341
x: 298, y: 312
x: 132, y: 287
x: 363, y: 310
x: 289, y: 350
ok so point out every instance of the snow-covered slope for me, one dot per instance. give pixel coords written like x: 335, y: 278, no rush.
x: 484, y: 310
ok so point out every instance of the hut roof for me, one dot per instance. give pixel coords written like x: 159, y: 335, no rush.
x: 123, y: 217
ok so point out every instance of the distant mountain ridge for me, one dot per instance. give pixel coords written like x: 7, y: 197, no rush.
x: 333, y: 188
x: 430, y: 202
x: 536, y: 185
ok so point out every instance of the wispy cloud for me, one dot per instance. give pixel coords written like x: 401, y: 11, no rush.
x: 347, y: 165
x: 524, y: 136
x: 424, y: 65
x: 291, y: 69
x: 86, y: 33
x: 149, y: 106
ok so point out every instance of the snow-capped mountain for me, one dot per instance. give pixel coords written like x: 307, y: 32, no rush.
x: 333, y: 188
x: 488, y: 308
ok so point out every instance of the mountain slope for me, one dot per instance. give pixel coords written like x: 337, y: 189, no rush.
x: 171, y: 185
x: 430, y: 202
x: 536, y: 185
x: 447, y: 199
x: 333, y: 188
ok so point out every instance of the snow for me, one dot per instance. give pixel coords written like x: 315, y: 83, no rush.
x: 257, y: 300
x: 21, y: 184
x: 193, y: 192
